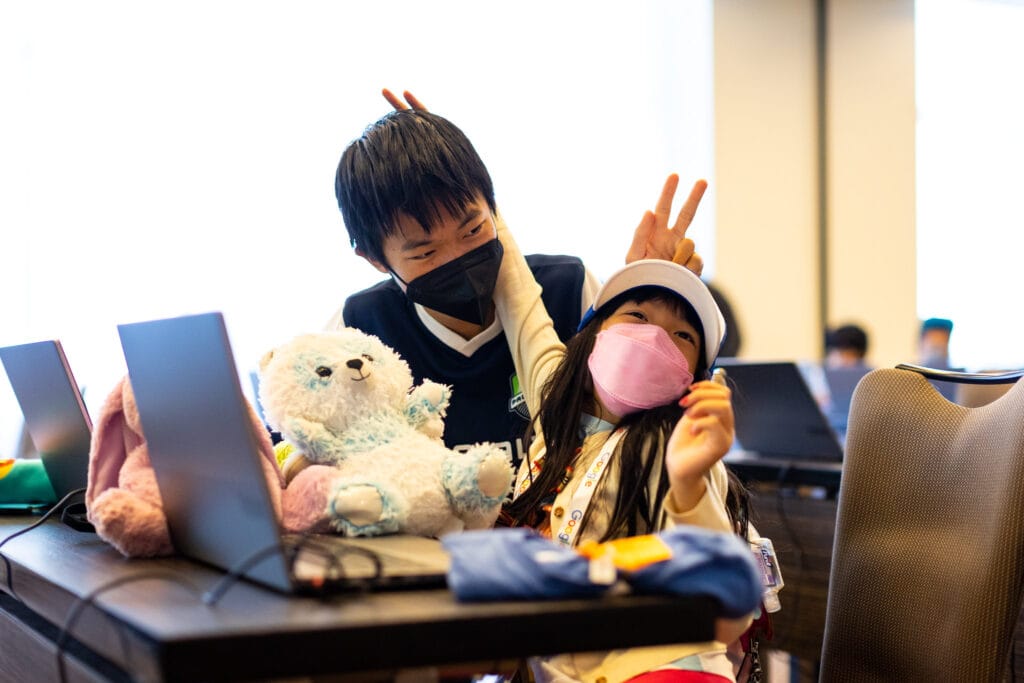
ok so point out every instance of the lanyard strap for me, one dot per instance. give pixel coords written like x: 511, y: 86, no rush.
x: 566, y: 534
x: 527, y: 475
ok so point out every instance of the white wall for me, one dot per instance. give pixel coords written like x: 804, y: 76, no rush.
x: 158, y: 159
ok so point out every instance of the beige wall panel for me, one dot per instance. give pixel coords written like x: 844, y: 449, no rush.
x: 766, y: 173
x: 870, y: 172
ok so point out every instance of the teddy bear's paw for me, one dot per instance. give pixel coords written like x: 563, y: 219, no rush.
x: 479, y: 479
x: 364, y: 510
x: 359, y: 505
x: 494, y: 477
x: 426, y: 406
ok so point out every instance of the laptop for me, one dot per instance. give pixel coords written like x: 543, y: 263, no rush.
x: 55, y: 415
x: 841, y: 383
x: 199, y: 433
x: 776, y: 414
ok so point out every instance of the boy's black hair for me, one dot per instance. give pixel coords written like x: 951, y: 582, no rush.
x: 568, y: 394
x: 847, y: 337
x: 412, y: 162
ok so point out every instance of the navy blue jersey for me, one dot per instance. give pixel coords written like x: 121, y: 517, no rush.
x: 487, y: 404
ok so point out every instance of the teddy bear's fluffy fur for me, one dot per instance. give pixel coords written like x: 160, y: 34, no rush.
x: 345, y: 401
x: 369, y: 457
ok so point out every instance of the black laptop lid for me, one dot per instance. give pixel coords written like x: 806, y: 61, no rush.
x: 776, y: 414
x: 55, y: 415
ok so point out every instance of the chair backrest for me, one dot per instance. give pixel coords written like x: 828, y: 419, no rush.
x: 928, y: 558
x: 975, y: 395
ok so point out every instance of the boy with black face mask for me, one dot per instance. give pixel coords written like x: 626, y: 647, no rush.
x: 418, y: 204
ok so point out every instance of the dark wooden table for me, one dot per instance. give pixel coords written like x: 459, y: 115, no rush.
x: 154, y: 627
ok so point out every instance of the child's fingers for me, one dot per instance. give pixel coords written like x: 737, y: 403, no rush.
x: 717, y: 381
x: 642, y: 234
x: 708, y: 424
x: 689, y: 209
x: 393, y: 99
x: 721, y: 408
x: 663, y: 209
x: 703, y: 391
x: 721, y: 413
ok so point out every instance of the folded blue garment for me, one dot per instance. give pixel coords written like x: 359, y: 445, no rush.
x: 506, y: 564
x: 704, y: 563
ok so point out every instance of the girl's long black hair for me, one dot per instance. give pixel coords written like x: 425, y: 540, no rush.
x: 568, y: 395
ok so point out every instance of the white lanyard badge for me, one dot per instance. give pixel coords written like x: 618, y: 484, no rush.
x: 566, y: 535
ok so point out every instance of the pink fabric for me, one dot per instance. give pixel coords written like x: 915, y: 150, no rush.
x: 123, y: 500
x: 677, y: 676
x: 636, y: 367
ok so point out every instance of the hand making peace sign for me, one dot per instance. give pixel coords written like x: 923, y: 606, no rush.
x: 654, y: 239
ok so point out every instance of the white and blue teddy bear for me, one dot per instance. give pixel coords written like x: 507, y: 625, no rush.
x: 366, y: 446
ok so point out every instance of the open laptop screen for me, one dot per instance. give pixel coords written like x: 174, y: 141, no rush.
x: 776, y: 414
x: 205, y: 454
x: 55, y: 415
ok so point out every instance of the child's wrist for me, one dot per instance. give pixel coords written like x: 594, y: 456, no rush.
x: 686, y: 493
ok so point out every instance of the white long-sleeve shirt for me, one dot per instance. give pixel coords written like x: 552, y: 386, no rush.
x: 537, y: 352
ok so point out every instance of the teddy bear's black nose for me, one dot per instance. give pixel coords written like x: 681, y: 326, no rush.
x: 355, y: 363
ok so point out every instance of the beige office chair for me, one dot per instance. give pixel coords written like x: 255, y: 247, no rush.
x: 976, y: 395
x: 928, y: 559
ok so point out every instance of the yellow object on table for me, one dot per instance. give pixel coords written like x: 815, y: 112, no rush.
x: 630, y: 553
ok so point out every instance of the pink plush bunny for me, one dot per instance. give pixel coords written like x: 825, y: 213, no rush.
x: 123, y: 500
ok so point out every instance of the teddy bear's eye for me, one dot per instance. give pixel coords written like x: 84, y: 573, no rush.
x: 324, y: 371
x: 368, y: 357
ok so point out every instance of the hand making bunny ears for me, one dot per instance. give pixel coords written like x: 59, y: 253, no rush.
x: 654, y: 239
x: 411, y: 101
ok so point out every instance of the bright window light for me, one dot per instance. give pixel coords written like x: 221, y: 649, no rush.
x: 158, y: 159
x: 970, y: 147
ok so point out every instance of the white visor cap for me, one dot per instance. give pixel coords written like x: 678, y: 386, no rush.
x: 676, y: 279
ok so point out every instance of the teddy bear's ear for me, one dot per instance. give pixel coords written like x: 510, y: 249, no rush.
x: 265, y: 360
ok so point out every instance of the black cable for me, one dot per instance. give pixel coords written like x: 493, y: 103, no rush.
x: 76, y: 610
x: 49, y: 513
x: 211, y: 596
x: 332, y: 554
x: 335, y: 553
x: 57, y: 507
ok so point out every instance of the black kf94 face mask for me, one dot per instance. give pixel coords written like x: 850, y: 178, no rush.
x: 462, y: 288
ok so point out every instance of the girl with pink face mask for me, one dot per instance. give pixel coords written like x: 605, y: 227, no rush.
x: 628, y: 435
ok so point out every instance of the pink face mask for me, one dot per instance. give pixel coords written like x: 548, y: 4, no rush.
x: 636, y: 367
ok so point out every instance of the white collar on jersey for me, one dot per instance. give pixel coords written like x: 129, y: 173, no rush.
x: 467, y: 347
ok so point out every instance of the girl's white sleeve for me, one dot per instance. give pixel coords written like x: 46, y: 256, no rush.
x: 535, y: 346
x: 710, y: 511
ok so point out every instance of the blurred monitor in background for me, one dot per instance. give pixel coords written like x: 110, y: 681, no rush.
x: 846, y: 348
